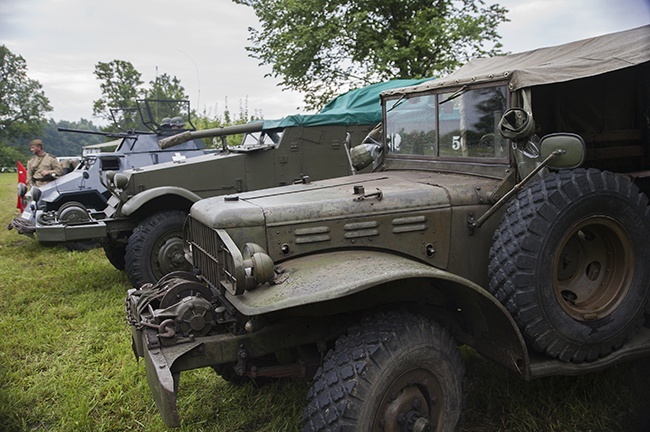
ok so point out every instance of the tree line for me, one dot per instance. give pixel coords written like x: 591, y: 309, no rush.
x: 320, y: 48
x: 23, y: 105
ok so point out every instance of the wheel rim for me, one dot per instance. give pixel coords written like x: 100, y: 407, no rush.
x: 593, y: 269
x: 168, y: 255
x: 411, y: 403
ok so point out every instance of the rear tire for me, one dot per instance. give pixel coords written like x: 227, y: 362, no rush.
x: 570, y: 263
x: 391, y: 372
x: 155, y: 248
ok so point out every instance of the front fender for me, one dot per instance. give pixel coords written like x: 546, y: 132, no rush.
x: 146, y: 196
x: 313, y: 279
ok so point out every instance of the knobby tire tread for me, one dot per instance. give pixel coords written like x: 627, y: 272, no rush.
x: 340, y: 384
x: 138, y: 262
x: 519, y: 240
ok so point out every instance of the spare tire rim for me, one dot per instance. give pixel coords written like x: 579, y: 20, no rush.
x: 593, y: 268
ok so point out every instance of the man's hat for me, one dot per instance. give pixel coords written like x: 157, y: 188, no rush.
x: 36, y: 142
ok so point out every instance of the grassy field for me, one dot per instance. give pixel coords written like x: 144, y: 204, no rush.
x: 66, y: 364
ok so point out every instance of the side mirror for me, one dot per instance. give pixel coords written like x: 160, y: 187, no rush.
x: 572, y: 148
x: 85, y: 175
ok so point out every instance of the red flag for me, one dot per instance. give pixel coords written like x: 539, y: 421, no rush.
x: 22, y: 178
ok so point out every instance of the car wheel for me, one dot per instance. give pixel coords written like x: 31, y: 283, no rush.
x: 155, y: 248
x: 115, y: 253
x: 391, y: 372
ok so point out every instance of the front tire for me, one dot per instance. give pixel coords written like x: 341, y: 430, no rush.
x: 390, y: 373
x: 115, y: 253
x: 570, y: 263
x: 155, y: 248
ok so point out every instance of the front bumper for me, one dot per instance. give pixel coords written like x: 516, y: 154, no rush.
x: 179, y: 324
x: 63, y: 233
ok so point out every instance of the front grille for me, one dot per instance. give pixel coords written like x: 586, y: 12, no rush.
x: 205, y: 243
x: 212, y: 254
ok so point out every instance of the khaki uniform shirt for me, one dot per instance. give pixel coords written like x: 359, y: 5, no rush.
x: 37, y: 164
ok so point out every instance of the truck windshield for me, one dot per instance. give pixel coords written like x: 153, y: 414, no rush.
x: 453, y: 125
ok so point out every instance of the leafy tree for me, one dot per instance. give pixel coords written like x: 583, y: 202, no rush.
x: 210, y: 119
x: 119, y: 86
x: 10, y: 155
x: 165, y: 87
x: 319, y: 47
x: 22, y: 101
x: 167, y: 90
x: 120, y: 90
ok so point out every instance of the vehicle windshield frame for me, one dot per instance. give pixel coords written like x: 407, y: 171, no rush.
x: 402, y: 110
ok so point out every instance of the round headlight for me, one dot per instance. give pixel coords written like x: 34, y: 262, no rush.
x: 36, y: 194
x: 22, y: 189
x: 258, y: 265
x: 120, y: 181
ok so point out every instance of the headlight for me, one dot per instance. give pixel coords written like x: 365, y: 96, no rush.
x: 120, y: 181
x: 22, y: 189
x: 35, y: 193
x: 110, y: 175
x: 257, y: 265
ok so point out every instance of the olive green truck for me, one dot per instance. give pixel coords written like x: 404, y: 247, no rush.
x: 507, y: 211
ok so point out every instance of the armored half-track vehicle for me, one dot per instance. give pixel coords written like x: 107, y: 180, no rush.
x: 72, y: 195
x: 141, y: 227
x: 509, y: 214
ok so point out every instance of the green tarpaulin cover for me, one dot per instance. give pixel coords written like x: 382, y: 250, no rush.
x: 360, y: 106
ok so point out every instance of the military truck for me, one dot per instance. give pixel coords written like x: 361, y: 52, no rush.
x: 71, y: 196
x: 509, y: 214
x: 141, y: 227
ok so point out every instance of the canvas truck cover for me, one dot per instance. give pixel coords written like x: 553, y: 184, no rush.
x: 575, y: 60
x: 360, y: 106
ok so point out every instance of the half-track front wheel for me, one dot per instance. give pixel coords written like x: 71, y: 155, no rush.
x: 155, y: 248
x: 570, y: 262
x: 115, y: 253
x: 393, y: 372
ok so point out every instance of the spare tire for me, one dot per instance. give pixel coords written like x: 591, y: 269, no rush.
x: 570, y: 262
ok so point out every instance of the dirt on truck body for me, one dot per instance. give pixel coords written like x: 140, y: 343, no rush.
x: 508, y: 211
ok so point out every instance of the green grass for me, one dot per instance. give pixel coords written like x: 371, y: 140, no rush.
x: 66, y: 364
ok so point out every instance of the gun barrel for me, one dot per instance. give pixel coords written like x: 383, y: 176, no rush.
x: 106, y: 134
x: 90, y: 132
x: 207, y: 133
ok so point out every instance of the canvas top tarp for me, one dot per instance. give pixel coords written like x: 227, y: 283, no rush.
x: 360, y: 106
x: 574, y: 60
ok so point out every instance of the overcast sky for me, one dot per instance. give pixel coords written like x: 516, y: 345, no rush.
x: 202, y: 42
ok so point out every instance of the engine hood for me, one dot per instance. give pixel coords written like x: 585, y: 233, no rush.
x: 406, y: 212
